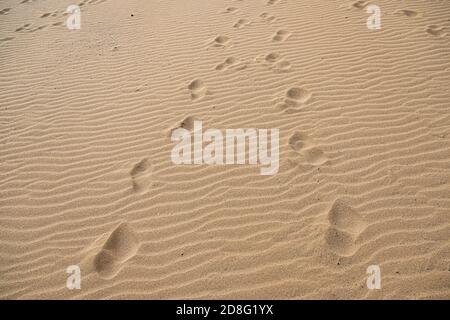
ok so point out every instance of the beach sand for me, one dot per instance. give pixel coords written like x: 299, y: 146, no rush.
x: 86, y: 176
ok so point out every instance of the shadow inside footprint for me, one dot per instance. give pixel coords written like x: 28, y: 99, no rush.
x: 407, y: 13
x: 122, y: 245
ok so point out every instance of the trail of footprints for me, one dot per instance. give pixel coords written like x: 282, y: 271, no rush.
x: 28, y: 27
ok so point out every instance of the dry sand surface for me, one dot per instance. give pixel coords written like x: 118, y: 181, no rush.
x: 86, y: 176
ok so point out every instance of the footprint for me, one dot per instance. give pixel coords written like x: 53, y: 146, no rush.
x: 38, y: 28
x: 298, y: 141
x: 221, y: 41
x: 315, y: 156
x: 276, y: 62
x: 140, y: 175
x: 231, y: 62
x: 408, y: 13
x: 302, y: 144
x: 436, y: 31
x: 345, y: 225
x: 241, y: 23
x: 272, y: 57
x: 198, y: 89
x: 296, y: 97
x: 360, y: 4
x: 231, y: 10
x: 121, y: 246
x: 281, y: 35
x: 24, y: 27
x: 272, y: 2
x: 5, y: 11
x: 187, y: 123
x: 6, y: 39
x: 267, y: 17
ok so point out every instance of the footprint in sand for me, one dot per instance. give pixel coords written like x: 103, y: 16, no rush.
x: 25, y: 27
x: 241, y: 23
x: 39, y: 28
x: 197, y: 89
x: 407, y: 13
x: 277, y: 63
x: 6, y: 39
x: 281, y: 35
x: 231, y: 62
x: 231, y: 10
x: 187, y: 123
x: 295, y: 99
x: 267, y: 17
x: 140, y: 175
x: 345, y: 226
x: 436, y: 31
x: 302, y: 144
x: 221, y: 41
x: 360, y: 4
x: 5, y: 11
x: 121, y: 246
x: 272, y: 2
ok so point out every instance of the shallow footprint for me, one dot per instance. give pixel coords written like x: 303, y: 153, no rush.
x: 281, y: 35
x: 407, y: 13
x: 272, y: 2
x: 231, y: 10
x: 295, y: 99
x: 298, y: 141
x: 198, y: 89
x: 277, y: 63
x: 226, y: 64
x: 436, y: 31
x: 140, y: 175
x: 315, y: 156
x: 5, y: 11
x: 345, y: 225
x: 360, y: 4
x: 267, y: 17
x: 221, y: 41
x: 121, y: 246
x: 6, y: 39
x: 241, y: 23
x: 301, y: 143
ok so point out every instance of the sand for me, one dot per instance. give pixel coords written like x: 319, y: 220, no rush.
x: 86, y: 177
